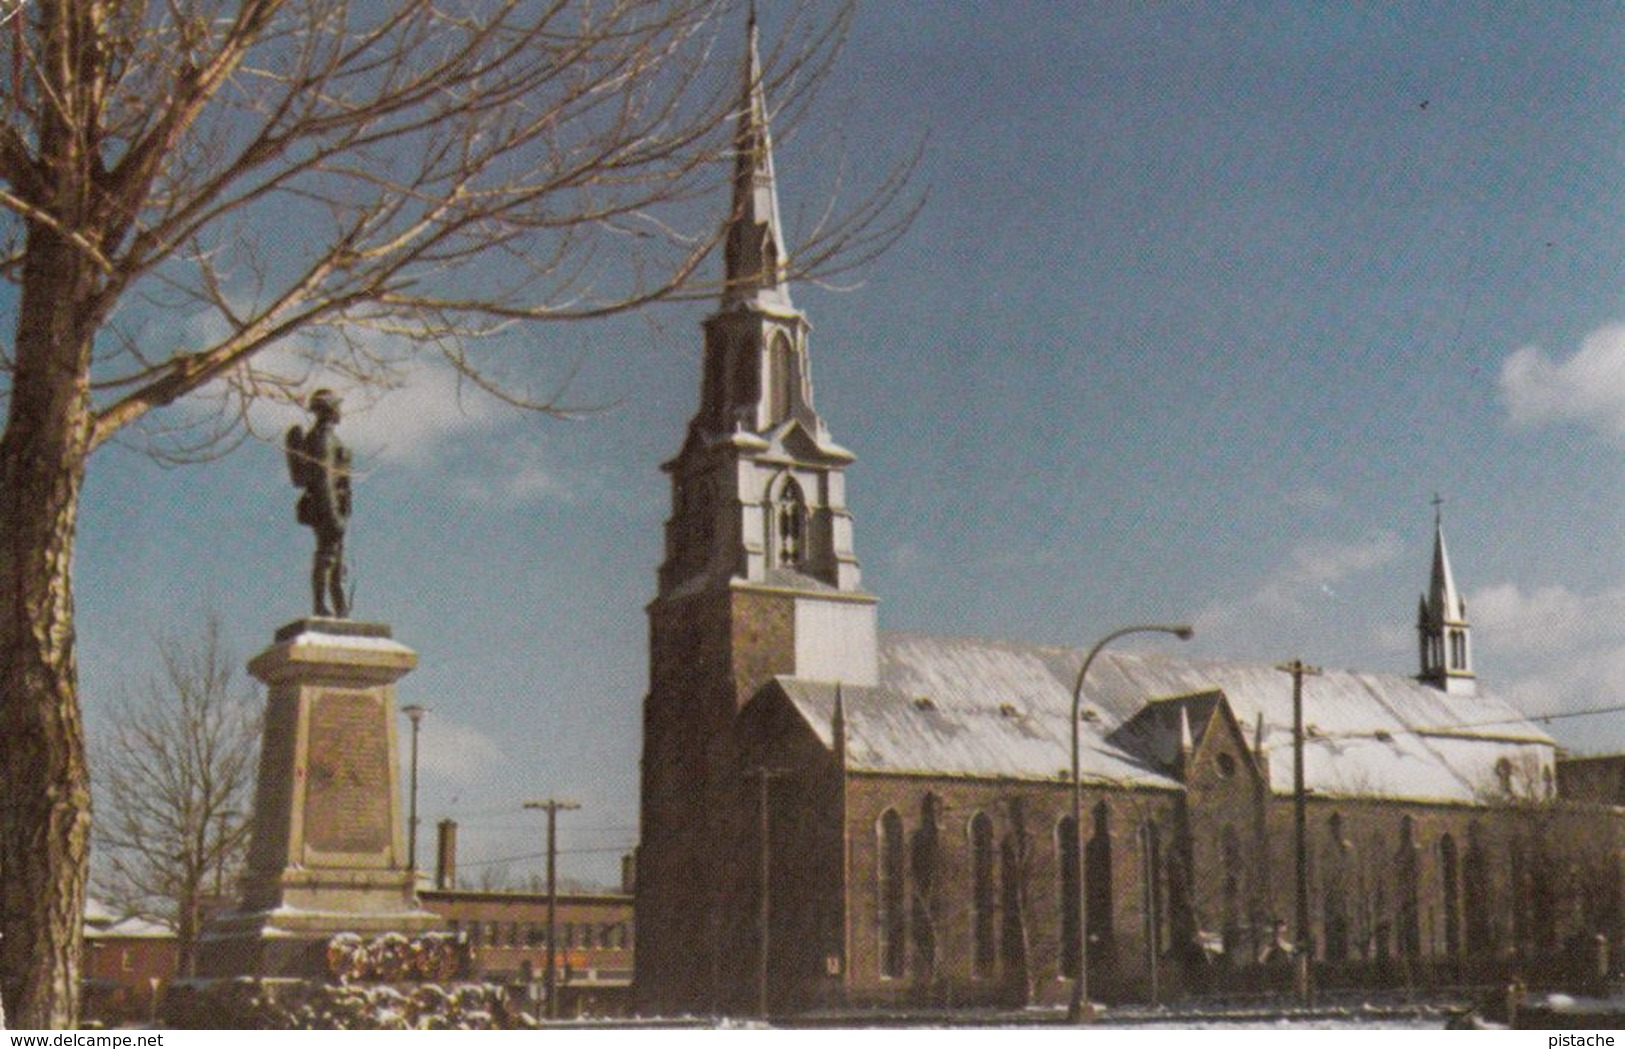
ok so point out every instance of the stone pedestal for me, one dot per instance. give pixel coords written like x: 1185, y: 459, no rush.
x: 328, y: 853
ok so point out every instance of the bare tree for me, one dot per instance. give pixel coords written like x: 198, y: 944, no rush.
x: 434, y: 170
x: 175, y: 775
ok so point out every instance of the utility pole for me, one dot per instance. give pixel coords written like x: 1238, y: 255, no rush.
x: 415, y: 713
x: 764, y: 911
x: 1299, y: 670
x: 553, y: 806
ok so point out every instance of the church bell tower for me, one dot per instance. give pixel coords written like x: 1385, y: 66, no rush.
x: 759, y: 579
x: 1443, y: 633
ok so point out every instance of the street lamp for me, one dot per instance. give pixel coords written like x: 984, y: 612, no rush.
x: 1080, y: 986
x: 415, y: 713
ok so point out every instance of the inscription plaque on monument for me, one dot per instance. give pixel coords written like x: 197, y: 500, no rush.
x: 347, y: 792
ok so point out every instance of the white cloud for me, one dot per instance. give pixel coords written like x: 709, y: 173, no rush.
x: 459, y: 755
x: 1565, y: 652
x: 1309, y: 578
x: 1588, y: 388
x: 1549, y: 619
x: 523, y: 468
x: 409, y: 423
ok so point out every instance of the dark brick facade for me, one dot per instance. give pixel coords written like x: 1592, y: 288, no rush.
x: 1401, y: 894
x: 709, y: 654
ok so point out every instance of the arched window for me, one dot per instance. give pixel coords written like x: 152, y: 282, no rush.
x: 1450, y: 873
x: 984, y: 898
x: 892, y: 922
x: 782, y: 360
x: 1334, y: 891
x: 924, y: 857
x: 1066, y: 847
x: 1477, y: 903
x: 1407, y: 873
x: 1013, y: 935
x: 1152, y: 881
x: 790, y: 526
x: 1098, y: 877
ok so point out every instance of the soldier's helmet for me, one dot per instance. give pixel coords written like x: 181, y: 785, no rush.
x: 325, y: 400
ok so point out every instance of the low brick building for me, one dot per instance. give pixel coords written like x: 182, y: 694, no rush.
x: 128, y: 964
x: 506, y: 932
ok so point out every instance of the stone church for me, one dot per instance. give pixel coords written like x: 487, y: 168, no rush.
x: 835, y: 816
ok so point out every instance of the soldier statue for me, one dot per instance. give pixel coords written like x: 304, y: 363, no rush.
x: 320, y: 464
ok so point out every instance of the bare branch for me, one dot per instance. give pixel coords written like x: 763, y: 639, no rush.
x: 176, y: 775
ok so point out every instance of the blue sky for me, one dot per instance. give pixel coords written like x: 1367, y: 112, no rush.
x: 1206, y: 303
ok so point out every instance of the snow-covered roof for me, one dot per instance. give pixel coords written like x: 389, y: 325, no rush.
x: 958, y: 706
x: 895, y: 730
x: 102, y: 922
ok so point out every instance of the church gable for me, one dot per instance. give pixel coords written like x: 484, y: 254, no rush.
x: 1195, y: 738
x: 793, y: 441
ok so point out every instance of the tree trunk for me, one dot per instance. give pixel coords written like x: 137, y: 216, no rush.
x: 45, y: 816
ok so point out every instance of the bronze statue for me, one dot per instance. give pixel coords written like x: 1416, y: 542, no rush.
x: 320, y: 464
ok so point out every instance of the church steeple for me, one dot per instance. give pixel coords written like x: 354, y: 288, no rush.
x: 753, y: 250
x: 759, y: 583
x: 1443, y: 633
x: 758, y: 490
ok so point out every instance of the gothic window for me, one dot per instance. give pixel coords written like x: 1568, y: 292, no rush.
x: 1013, y: 936
x: 781, y: 360
x: 1066, y: 841
x: 984, y: 902
x: 1155, y: 911
x: 1098, y: 877
x: 1334, y: 891
x: 790, y: 525
x: 1458, y: 650
x: 1407, y: 873
x: 892, y: 920
x: 923, y: 862
x: 1450, y: 872
x: 1476, y: 900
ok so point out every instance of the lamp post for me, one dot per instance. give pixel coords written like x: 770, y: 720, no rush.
x: 415, y: 713
x: 1080, y: 986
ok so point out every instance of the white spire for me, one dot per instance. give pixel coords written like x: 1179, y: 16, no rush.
x: 1441, y: 622
x: 1444, y: 601
x: 754, y: 263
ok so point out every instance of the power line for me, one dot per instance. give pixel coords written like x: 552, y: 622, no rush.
x: 543, y: 856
